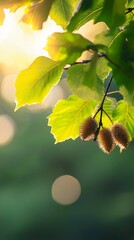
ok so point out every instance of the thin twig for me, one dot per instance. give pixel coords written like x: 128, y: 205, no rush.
x: 101, y: 110
x: 75, y: 63
x: 128, y: 10
x: 108, y: 116
x: 84, y: 61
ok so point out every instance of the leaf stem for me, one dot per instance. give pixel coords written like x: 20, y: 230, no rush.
x: 101, y: 110
x: 108, y: 116
x: 75, y: 63
x: 84, y: 61
x: 128, y: 10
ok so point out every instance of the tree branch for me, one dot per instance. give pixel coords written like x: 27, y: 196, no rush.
x: 75, y: 63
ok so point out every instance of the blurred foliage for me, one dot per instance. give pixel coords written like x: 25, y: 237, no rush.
x: 30, y: 164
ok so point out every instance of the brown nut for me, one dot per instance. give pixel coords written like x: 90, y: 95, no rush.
x: 106, y: 140
x: 88, y: 129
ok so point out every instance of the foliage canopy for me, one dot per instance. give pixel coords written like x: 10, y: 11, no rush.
x: 111, y: 60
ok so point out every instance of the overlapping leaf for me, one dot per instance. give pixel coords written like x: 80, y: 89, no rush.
x: 102, y: 68
x: 84, y: 82
x: 67, y: 117
x: 9, y: 3
x: 121, y: 55
x: 113, y: 13
x: 124, y: 113
x: 15, y: 4
x: 88, y: 10
x: 34, y: 83
x: 36, y: 12
x: 106, y: 38
x: 63, y: 10
x: 67, y: 46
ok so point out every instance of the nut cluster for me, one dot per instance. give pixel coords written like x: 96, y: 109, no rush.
x: 107, y: 138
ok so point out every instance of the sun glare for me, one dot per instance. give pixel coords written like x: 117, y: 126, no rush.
x: 19, y: 43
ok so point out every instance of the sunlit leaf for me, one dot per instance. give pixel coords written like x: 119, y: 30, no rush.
x: 15, y: 4
x: 113, y: 13
x: 34, y: 83
x: 84, y: 82
x: 89, y: 10
x: 67, y: 117
x: 63, y: 10
x: 124, y: 113
x: 106, y: 38
x: 67, y: 47
x: 37, y: 13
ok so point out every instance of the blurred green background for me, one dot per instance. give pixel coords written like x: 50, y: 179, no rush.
x: 31, y: 162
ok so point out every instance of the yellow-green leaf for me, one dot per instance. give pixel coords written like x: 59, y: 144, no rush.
x: 33, y: 84
x: 67, y: 46
x: 37, y: 13
x: 15, y: 4
x: 67, y: 117
x: 124, y: 113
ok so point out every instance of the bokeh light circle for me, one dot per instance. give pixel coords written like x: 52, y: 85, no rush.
x: 66, y: 190
x: 8, y: 88
x: 7, y: 129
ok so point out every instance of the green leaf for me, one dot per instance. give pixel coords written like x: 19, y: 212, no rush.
x: 89, y: 10
x: 113, y: 13
x: 84, y: 82
x: 130, y: 4
x: 102, y: 68
x: 121, y: 56
x: 106, y: 38
x: 67, y: 117
x: 124, y: 113
x: 63, y: 10
x: 67, y: 47
x: 128, y: 97
x: 34, y: 83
